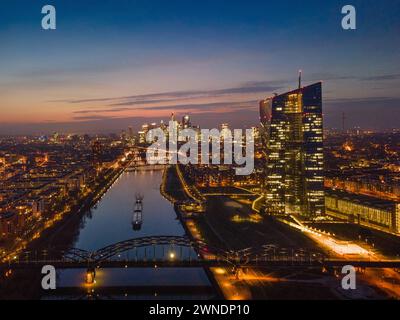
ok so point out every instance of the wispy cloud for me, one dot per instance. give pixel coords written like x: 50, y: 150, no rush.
x: 362, y: 100
x: 249, y: 87
x: 207, y: 106
x: 246, y: 88
x: 387, y: 77
x: 335, y: 77
x: 110, y: 110
x: 215, y: 106
x: 91, y: 118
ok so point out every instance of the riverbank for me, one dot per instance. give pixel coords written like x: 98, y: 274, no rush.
x: 62, y: 234
x: 173, y: 190
x: 229, y: 228
x: 23, y: 285
x: 231, y: 223
x: 170, y: 187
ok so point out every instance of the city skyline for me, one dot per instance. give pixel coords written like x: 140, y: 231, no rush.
x: 107, y: 67
x: 199, y: 150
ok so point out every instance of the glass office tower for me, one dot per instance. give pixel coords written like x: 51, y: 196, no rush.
x: 293, y: 139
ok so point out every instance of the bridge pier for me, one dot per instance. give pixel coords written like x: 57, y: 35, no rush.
x: 337, y: 271
x: 332, y: 270
x: 90, y: 276
x: 6, y: 273
x: 360, y: 270
x: 237, y: 272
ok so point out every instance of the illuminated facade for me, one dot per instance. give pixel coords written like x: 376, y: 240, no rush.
x: 369, y: 211
x: 293, y: 139
x: 186, y: 122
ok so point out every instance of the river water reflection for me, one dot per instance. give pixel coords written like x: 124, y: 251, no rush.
x: 111, y: 219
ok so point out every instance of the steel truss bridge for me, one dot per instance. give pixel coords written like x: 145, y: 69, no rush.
x: 177, y: 252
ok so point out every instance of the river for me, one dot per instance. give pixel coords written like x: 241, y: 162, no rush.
x: 109, y: 222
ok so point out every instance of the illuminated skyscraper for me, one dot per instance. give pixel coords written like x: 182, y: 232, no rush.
x: 186, y: 122
x: 293, y: 139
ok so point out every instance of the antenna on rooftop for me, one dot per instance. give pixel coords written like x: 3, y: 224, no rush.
x: 300, y: 72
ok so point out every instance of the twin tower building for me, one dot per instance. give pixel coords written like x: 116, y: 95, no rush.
x: 292, y: 133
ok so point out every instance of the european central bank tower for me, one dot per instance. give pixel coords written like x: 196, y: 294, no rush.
x: 292, y: 134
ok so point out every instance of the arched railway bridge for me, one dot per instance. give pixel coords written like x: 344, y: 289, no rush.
x: 176, y: 251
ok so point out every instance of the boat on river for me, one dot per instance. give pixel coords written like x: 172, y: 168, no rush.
x: 137, y: 218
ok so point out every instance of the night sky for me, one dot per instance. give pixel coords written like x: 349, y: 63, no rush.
x: 111, y: 64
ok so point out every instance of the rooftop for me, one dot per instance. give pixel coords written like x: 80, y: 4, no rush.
x: 361, y: 199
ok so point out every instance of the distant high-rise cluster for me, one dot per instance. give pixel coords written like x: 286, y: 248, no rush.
x: 293, y: 144
x: 186, y: 122
x: 176, y: 127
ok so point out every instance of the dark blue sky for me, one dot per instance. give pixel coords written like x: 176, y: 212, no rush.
x: 114, y: 63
